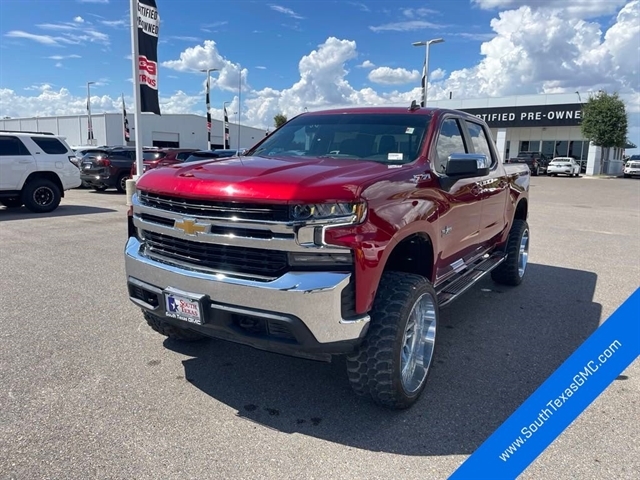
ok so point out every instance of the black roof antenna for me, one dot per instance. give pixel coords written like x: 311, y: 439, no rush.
x: 414, y: 106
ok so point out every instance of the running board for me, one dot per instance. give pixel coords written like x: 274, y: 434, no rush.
x: 455, y: 287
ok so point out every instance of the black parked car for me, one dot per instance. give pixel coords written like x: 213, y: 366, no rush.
x: 110, y: 167
x: 536, y: 161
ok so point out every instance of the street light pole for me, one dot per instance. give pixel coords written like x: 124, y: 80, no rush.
x: 427, y: 45
x: 89, y: 122
x: 208, y: 103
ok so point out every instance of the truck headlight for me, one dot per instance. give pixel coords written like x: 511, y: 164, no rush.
x: 349, y: 212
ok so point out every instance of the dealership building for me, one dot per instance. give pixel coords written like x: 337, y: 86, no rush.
x: 167, y: 130
x: 548, y: 123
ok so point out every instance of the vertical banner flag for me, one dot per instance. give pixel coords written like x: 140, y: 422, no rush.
x: 424, y: 83
x: 148, y: 29
x: 89, y: 122
x: 125, y: 121
x: 227, y: 144
x: 208, y: 112
x: 595, y: 365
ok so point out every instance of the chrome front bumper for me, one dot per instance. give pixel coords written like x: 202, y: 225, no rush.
x: 312, y: 297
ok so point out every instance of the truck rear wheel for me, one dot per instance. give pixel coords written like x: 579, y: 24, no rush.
x: 511, y: 271
x: 392, y: 364
x: 171, y: 331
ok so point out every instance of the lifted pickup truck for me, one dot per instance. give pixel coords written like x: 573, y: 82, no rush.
x: 341, y: 233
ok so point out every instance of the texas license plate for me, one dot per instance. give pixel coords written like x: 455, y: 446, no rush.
x: 184, y: 306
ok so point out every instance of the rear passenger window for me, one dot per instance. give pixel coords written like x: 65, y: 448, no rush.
x: 12, y: 146
x: 52, y: 146
x: 449, y: 141
x: 479, y: 140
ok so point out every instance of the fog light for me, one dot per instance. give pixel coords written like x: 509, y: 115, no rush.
x: 320, y: 259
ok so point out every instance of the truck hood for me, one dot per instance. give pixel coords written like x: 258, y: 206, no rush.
x: 274, y: 179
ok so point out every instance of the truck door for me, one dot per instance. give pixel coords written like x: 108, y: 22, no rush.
x: 493, y: 187
x: 459, y: 224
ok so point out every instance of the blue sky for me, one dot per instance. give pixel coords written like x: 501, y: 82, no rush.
x: 252, y: 33
x: 296, y: 54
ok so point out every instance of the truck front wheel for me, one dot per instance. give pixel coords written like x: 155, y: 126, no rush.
x: 171, y: 331
x: 392, y: 364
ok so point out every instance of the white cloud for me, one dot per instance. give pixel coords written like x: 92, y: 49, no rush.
x: 578, y: 8
x: 286, y: 11
x: 116, y: 23
x: 43, y: 39
x: 437, y: 74
x: 481, y: 37
x: 204, y: 56
x: 183, y: 38
x: 366, y: 64
x: 261, y: 67
x: 63, y: 57
x: 361, y: 6
x: 58, y: 65
x: 78, y: 19
x: 419, y: 12
x: 406, y: 26
x: 393, y: 76
x: 71, y: 33
x: 215, y: 24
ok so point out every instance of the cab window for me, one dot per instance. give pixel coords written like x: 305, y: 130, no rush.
x: 479, y: 140
x: 450, y: 141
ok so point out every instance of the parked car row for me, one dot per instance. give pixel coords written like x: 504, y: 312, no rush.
x: 102, y: 168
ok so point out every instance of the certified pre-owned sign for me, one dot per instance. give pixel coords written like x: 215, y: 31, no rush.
x: 564, y: 115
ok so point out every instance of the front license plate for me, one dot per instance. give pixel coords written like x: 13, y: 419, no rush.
x: 183, y: 306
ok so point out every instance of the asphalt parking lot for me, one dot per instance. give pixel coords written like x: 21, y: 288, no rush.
x: 89, y: 391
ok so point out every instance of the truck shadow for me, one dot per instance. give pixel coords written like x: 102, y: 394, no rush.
x: 62, y: 211
x: 496, y: 346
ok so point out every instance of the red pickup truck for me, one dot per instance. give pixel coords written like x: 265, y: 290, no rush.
x: 341, y: 233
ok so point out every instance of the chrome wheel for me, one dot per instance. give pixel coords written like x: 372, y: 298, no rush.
x: 43, y: 196
x: 418, y: 343
x: 523, y: 253
x: 123, y: 183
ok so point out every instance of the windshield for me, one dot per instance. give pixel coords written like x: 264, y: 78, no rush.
x: 153, y: 155
x: 198, y: 156
x: 384, y: 137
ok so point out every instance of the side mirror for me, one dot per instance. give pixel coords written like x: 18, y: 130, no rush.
x: 467, y: 165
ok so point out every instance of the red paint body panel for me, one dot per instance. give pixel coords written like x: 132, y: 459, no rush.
x: 397, y: 205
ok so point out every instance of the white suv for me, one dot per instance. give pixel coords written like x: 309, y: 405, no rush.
x: 35, y: 170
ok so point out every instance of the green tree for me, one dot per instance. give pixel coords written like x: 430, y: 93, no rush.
x: 604, y: 121
x: 279, y: 120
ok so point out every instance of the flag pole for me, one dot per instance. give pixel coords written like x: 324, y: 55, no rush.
x: 124, y: 133
x: 239, y: 106
x: 136, y: 87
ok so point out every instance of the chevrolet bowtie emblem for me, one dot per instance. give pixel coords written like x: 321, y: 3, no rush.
x: 190, y: 227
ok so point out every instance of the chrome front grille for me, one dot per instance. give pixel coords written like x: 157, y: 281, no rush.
x: 253, y: 262
x: 216, y: 209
